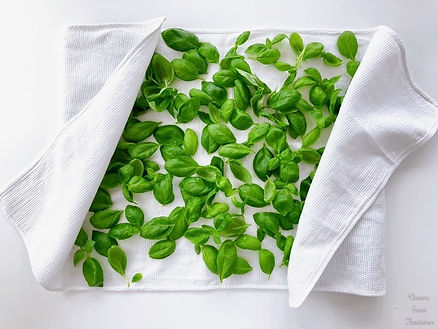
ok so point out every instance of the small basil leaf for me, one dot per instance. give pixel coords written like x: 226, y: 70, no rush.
x: 266, y: 261
x: 117, y: 259
x: 224, y: 185
x: 309, y: 155
x: 317, y: 96
x: 78, y: 256
x: 240, y: 172
x: 193, y: 56
x: 93, y: 273
x: 190, y: 141
x: 137, y: 277
x: 255, y: 49
x: 193, y: 208
x: 140, y: 131
x: 226, y: 259
x: 289, y: 171
x: 177, y: 216
x: 180, y: 39
x: 184, y: 69
x: 242, y: 38
x: 134, y: 215
x: 218, y: 163
x: 296, y: 43
x: 279, y: 37
x: 330, y: 59
x: 311, y: 137
x: 123, y: 231
x: 282, y: 66
x: 234, y: 151
x: 162, y: 249
x: 163, y: 70
x: 209, y: 255
x: 125, y: 173
x: 138, y: 167
x: 287, y: 249
x: 163, y: 189
x: 297, y: 124
x: 352, y: 67
x: 105, y: 218
x: 248, y: 242
x: 304, y: 187
x: 181, y: 166
x: 304, y: 81
x: 102, y: 242
x: 347, y: 44
x: 209, y: 52
x: 81, y: 238
x: 252, y: 194
x: 102, y: 200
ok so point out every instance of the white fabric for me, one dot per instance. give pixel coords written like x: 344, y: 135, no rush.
x: 339, y: 242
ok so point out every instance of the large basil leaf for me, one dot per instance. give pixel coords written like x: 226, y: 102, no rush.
x: 252, y: 194
x: 169, y: 134
x: 226, y: 259
x: 105, y: 218
x: 234, y: 151
x: 163, y: 189
x: 261, y: 163
x: 181, y: 166
x: 139, y: 131
x: 180, y: 39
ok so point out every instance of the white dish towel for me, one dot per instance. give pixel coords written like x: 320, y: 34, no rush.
x: 339, y: 241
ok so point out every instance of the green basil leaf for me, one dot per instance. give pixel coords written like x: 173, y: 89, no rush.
x: 123, y: 231
x: 352, y: 67
x: 283, y: 202
x: 215, y: 209
x: 266, y: 261
x: 105, y: 218
x: 241, y: 120
x: 110, y: 181
x: 273, y: 163
x: 177, y: 216
x: 226, y: 259
x: 181, y: 166
x: 303, y: 106
x: 312, y: 50
x: 184, y: 69
x: 255, y: 49
x: 260, y: 234
x: 78, y: 256
x: 241, y: 64
x: 193, y: 56
x: 193, y: 208
x: 287, y: 249
x: 317, y: 96
x: 311, y: 137
x: 242, y: 266
x: 102, y: 242
x: 134, y: 215
x: 197, y: 236
x: 138, y: 184
x: 140, y: 131
x: 224, y: 185
x: 162, y: 249
x: 276, y: 138
x: 207, y: 142
x: 195, y: 186
x: 157, y: 228
x: 258, y: 132
x: 257, y: 102
x: 261, y: 163
x: 125, y: 173
x: 304, y: 81
x: 221, y: 134
x: 163, y: 70
x: 296, y: 43
x: 313, y: 73
x: 242, y: 38
x: 240, y: 172
x: 93, y: 273
x: 230, y: 226
x: 170, y: 151
x: 268, y: 222
x: 163, y: 189
x: 280, y: 241
x: 219, y: 94
x: 137, y: 277
x: 144, y: 150
x: 248, y: 242
x: 284, y: 100
x: 224, y: 78
x: 117, y: 259
x: 252, y: 194
x: 138, y: 167
x: 81, y: 238
x: 242, y: 95
x: 289, y: 171
x: 330, y: 59
x: 218, y: 163
x: 209, y: 52
x: 279, y: 37
x: 190, y: 141
x: 209, y: 173
x: 304, y: 187
x: 169, y: 134
x: 282, y: 66
x: 188, y: 111
x: 297, y: 124
x: 269, y: 191
x: 102, y: 200
x: 347, y: 44
x: 180, y: 39
x: 269, y: 56
x: 234, y: 151
x: 203, y: 97
x: 209, y: 255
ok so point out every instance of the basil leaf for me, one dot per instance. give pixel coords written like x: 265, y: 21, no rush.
x: 241, y: 64
x: 347, y: 44
x: 273, y: 163
x: 219, y: 94
x: 215, y: 209
x: 283, y: 202
x: 224, y: 78
x: 309, y: 155
x: 78, y: 256
x: 352, y: 67
x: 193, y: 56
x: 268, y: 222
x: 163, y: 189
x: 181, y: 166
x: 242, y: 266
x: 226, y: 259
x: 180, y: 39
x: 284, y: 100
x: 224, y: 185
x: 140, y: 131
x: 203, y: 97
x: 188, y: 111
x: 218, y: 163
x: 311, y: 137
x: 279, y: 37
x: 296, y: 43
x: 266, y: 261
x: 102, y: 242
x: 134, y: 215
x: 207, y: 142
x: 138, y: 167
x: 184, y: 69
x: 157, y: 228
x: 137, y: 277
x: 304, y: 187
x: 257, y: 102
x: 193, y: 208
x: 304, y: 81
x: 93, y: 273
x: 227, y: 109
x: 261, y: 163
x: 195, y: 186
x: 289, y: 171
x: 302, y: 105
x: 282, y: 66
x: 102, y: 200
x: 138, y: 184
x: 170, y: 151
x: 209, y: 255
x: 177, y: 216
x: 258, y: 132
x: 269, y: 191
x: 123, y: 231
x: 110, y: 181
x: 169, y: 134
x: 144, y: 150
x: 221, y: 134
x: 276, y: 138
x: 209, y: 52
x: 252, y: 194
x: 190, y: 141
x: 240, y: 172
x: 297, y: 124
x: 269, y: 56
x: 105, y: 218
x: 242, y: 38
x: 125, y: 173
x: 313, y: 73
x: 317, y: 96
x: 163, y: 71
x: 330, y: 59
x: 197, y: 236
x: 209, y: 173
x: 241, y: 120
x: 312, y: 50
x: 229, y: 226
x: 234, y: 151
x: 248, y: 242
x: 162, y: 249
x: 117, y: 260
x: 255, y: 49
x: 287, y: 249
x: 242, y: 95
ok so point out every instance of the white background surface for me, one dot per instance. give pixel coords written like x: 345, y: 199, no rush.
x: 30, y: 116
